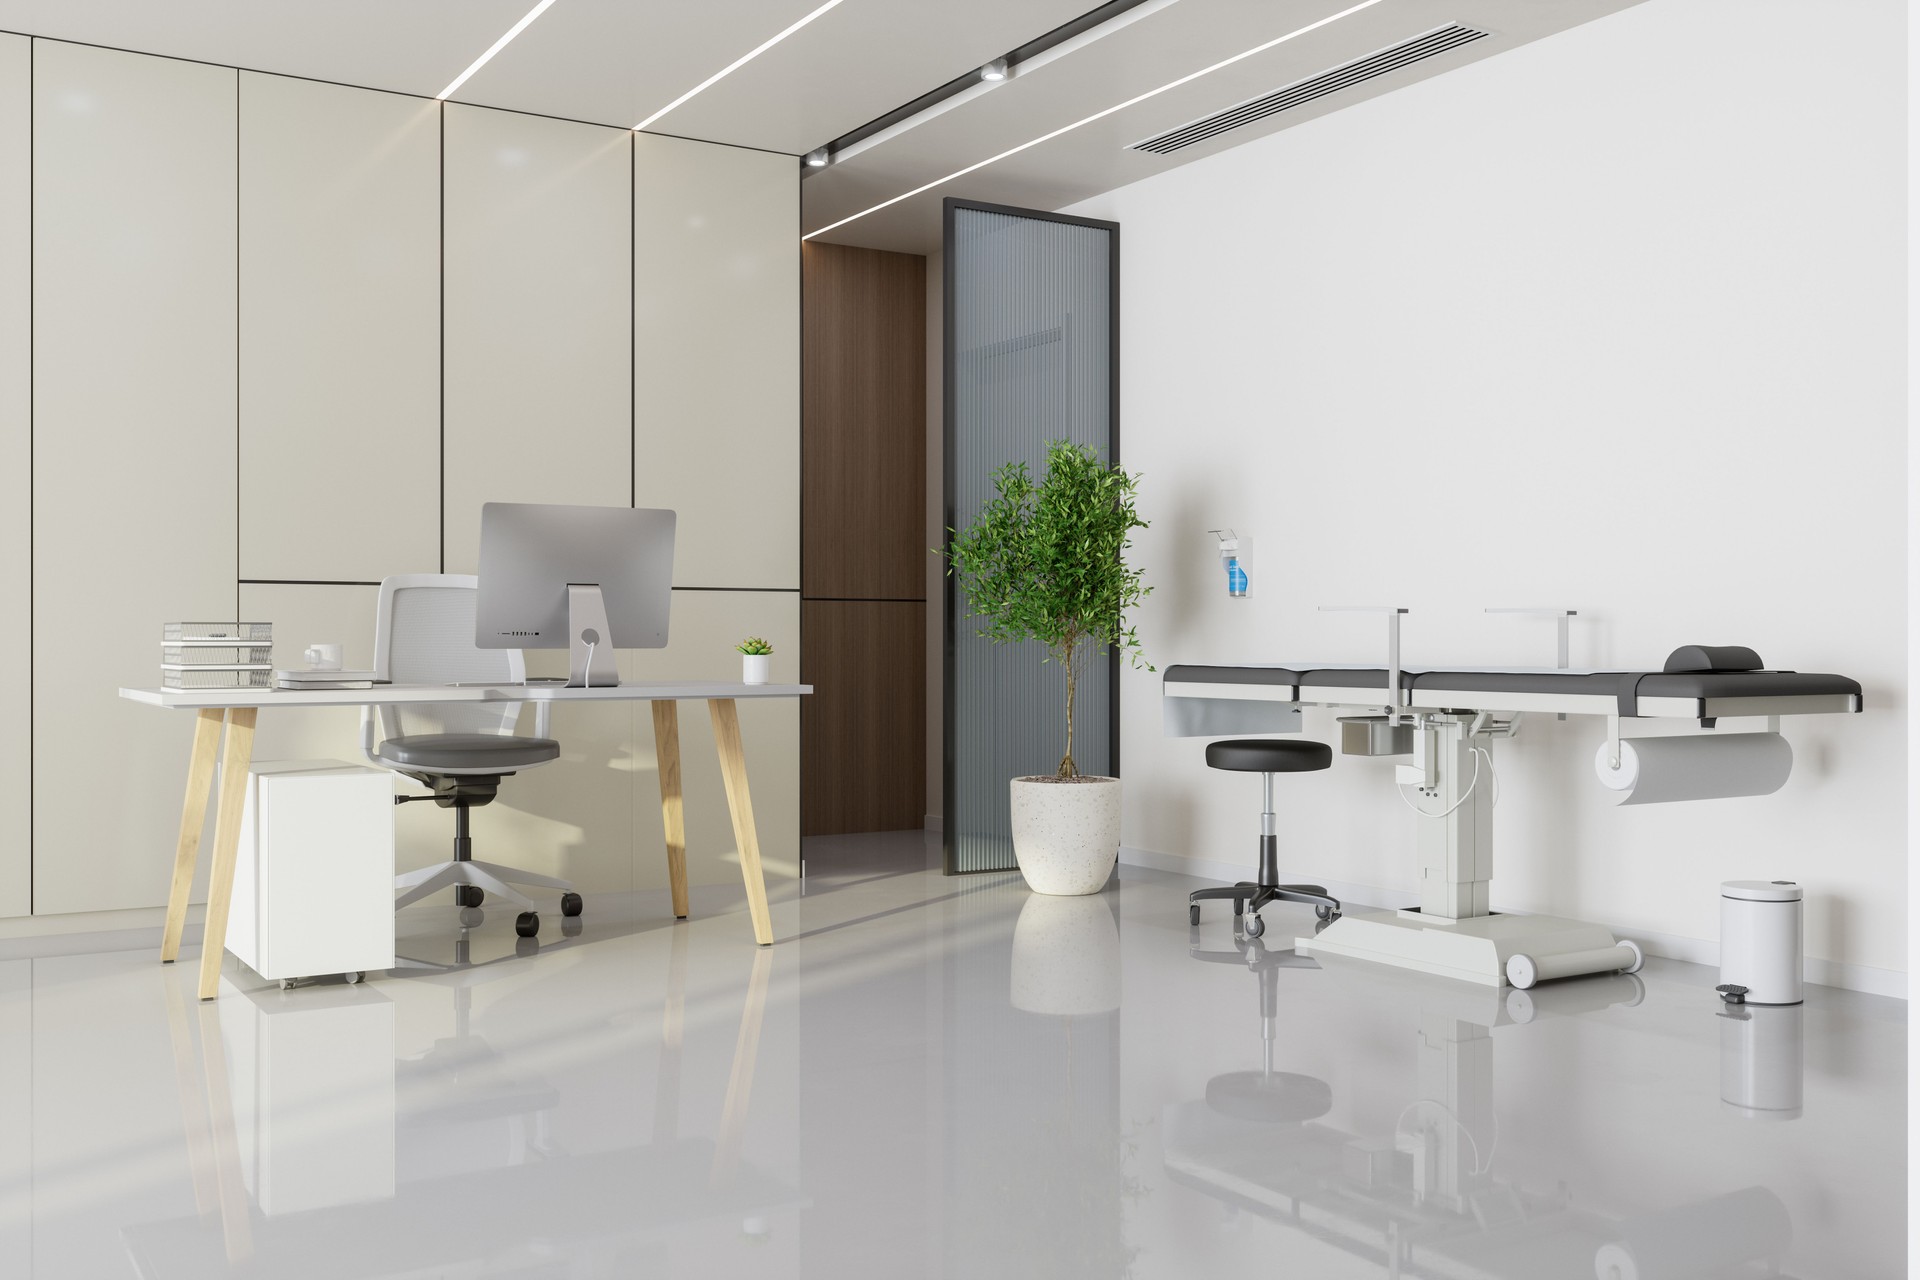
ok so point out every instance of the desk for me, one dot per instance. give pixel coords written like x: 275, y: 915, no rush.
x: 238, y: 709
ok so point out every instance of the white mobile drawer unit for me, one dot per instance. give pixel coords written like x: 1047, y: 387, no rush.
x: 313, y: 883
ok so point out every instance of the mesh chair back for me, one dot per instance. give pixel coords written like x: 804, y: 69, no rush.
x: 426, y: 637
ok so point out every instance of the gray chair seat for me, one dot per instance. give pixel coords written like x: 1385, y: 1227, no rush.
x: 467, y: 751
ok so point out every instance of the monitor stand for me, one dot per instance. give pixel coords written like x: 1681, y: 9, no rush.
x: 590, y: 660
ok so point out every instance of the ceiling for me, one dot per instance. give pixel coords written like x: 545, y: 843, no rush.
x: 617, y: 62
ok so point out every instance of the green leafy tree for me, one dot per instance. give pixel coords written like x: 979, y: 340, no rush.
x: 1047, y: 562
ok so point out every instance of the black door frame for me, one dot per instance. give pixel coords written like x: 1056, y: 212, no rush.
x: 950, y: 613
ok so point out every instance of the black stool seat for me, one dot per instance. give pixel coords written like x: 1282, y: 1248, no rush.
x: 1265, y: 755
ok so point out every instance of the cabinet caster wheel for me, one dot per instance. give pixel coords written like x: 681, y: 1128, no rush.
x: 468, y: 895
x: 352, y: 978
x: 527, y: 924
x: 571, y: 904
x: 288, y: 984
x: 1254, y: 926
x: 1193, y: 913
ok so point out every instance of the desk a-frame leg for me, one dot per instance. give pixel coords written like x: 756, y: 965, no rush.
x: 235, y: 760
x: 673, y: 811
x: 193, y: 820
x: 733, y: 770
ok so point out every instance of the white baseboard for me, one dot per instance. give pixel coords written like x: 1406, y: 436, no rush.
x: 1826, y: 973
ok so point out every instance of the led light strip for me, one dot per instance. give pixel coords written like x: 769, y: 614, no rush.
x: 1099, y: 115
x: 733, y: 66
x: 498, y: 45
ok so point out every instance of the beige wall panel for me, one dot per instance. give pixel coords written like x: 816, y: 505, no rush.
x: 134, y: 474
x: 303, y: 615
x: 539, y: 317
x: 339, y: 331
x: 16, y: 477
x: 717, y: 357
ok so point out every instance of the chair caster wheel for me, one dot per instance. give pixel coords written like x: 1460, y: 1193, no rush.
x: 571, y: 904
x: 1193, y: 913
x: 1323, y: 912
x: 1254, y: 926
x: 527, y: 924
x: 468, y: 895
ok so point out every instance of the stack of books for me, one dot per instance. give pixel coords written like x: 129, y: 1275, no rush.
x: 216, y: 655
x: 317, y: 678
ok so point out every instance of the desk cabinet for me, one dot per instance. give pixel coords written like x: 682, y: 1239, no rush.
x: 313, y: 886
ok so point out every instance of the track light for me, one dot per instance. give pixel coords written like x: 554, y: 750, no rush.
x: 817, y: 159
x: 995, y: 70
x: 1137, y: 98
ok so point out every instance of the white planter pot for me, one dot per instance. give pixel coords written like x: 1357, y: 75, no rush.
x: 756, y: 668
x: 1066, y: 835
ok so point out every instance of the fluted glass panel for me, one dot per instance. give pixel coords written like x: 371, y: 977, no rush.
x: 1030, y: 359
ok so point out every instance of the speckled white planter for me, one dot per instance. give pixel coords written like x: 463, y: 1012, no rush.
x: 1066, y: 835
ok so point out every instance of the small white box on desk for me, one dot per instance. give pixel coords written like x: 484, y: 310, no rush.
x: 313, y: 883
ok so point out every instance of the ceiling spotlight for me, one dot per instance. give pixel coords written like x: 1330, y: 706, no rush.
x: 817, y: 159
x: 995, y: 70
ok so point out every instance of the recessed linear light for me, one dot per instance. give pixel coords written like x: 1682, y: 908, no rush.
x: 498, y: 45
x: 735, y: 65
x: 1099, y: 115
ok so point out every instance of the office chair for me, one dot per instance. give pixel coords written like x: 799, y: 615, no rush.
x: 1266, y: 757
x: 423, y: 634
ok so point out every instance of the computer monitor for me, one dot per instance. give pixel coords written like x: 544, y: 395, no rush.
x: 585, y: 579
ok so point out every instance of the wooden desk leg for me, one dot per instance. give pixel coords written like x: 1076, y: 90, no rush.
x: 234, y: 762
x: 733, y: 769
x: 673, y: 814
x: 193, y: 819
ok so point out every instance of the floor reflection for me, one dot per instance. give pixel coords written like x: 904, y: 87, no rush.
x: 318, y: 1150
x: 1427, y: 1196
x: 938, y: 1077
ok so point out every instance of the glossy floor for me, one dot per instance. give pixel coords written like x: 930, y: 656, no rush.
x: 934, y: 1077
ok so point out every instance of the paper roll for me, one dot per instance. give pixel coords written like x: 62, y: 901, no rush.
x: 1657, y: 770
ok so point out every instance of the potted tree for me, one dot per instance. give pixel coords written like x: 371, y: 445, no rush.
x: 1047, y: 562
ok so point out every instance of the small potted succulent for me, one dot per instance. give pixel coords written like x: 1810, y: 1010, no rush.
x: 756, y: 660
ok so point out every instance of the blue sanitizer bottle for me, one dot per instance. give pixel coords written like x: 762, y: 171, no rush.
x: 1236, y: 578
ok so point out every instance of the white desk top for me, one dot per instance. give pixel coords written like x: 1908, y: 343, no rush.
x: 390, y: 694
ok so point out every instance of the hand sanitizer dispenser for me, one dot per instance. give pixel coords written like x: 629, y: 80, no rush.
x: 1233, y: 558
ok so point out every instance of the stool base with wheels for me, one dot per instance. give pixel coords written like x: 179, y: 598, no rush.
x: 1266, y: 757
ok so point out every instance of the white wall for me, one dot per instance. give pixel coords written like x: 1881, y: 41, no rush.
x: 1614, y: 321
x: 286, y: 338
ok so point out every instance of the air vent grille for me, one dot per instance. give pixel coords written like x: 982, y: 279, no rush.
x: 1406, y: 53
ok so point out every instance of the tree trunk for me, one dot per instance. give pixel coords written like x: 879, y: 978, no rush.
x: 1067, y: 768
